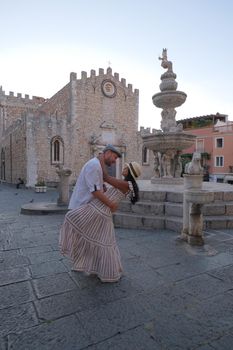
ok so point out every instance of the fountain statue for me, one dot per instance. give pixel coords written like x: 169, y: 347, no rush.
x: 168, y: 143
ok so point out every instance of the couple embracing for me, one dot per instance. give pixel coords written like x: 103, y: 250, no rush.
x: 87, y: 235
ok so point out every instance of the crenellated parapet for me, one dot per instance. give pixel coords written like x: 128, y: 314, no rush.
x: 107, y: 74
x: 148, y: 131
x: 18, y: 97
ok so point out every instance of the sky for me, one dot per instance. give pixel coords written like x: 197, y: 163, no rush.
x: 43, y: 41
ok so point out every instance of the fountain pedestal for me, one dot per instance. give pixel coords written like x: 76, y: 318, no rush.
x: 63, y: 186
x: 194, y: 199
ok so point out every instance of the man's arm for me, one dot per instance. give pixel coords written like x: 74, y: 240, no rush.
x: 104, y: 199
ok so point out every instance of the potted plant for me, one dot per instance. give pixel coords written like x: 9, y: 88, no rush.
x: 40, y: 186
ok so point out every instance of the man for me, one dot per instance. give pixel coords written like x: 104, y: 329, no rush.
x: 90, y: 181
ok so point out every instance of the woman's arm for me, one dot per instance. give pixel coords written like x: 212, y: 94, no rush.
x: 122, y: 185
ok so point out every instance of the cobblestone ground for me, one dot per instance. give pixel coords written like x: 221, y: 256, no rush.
x: 172, y: 295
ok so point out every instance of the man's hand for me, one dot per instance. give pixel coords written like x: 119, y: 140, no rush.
x: 113, y: 207
x: 104, y: 199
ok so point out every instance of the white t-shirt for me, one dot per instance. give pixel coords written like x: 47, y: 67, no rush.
x: 90, y: 179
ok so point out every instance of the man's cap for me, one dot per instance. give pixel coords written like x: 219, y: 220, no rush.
x: 113, y: 149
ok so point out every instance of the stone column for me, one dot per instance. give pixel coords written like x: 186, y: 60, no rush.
x: 194, y: 199
x: 185, y: 229
x: 195, y: 234
x: 63, y: 187
x: 191, y: 217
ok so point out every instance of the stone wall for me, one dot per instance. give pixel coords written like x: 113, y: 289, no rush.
x: 15, y: 151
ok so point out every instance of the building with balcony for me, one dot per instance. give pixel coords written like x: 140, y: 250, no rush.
x: 215, y: 141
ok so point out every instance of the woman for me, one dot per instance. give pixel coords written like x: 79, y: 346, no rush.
x: 87, y: 234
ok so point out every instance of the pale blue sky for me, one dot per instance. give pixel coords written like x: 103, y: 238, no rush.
x: 43, y: 41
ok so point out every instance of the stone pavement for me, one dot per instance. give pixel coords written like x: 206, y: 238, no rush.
x: 172, y: 296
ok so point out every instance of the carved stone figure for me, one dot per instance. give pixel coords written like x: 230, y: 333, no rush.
x: 166, y: 161
x: 168, y: 119
x: 157, y: 164
x: 194, y: 167
x: 178, y: 166
x: 165, y: 63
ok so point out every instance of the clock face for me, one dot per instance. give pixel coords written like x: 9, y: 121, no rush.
x: 108, y: 88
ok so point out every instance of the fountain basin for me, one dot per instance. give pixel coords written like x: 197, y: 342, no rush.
x: 169, y: 99
x: 165, y: 141
x: 199, y: 196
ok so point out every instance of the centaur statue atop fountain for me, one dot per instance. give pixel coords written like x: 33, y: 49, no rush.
x: 165, y: 63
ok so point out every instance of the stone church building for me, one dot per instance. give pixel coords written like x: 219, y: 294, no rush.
x: 38, y: 134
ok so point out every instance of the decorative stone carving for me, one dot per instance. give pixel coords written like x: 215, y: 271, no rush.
x: 194, y: 167
x: 165, y: 63
x: 157, y: 164
x: 166, y: 161
x: 178, y: 165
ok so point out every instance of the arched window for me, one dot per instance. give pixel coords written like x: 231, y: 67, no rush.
x: 57, y: 150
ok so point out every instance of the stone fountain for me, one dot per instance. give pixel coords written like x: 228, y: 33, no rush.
x: 168, y: 143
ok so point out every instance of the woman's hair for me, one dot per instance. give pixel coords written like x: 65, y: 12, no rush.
x: 134, y: 197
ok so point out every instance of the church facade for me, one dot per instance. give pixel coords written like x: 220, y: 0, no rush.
x: 37, y: 135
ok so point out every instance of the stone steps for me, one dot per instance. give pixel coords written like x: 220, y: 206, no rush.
x: 174, y: 223
x: 136, y: 221
x: 164, y: 210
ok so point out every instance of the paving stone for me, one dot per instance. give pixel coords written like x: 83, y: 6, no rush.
x: 224, y: 274
x: 133, y: 339
x: 208, y: 313
x: 179, y: 331
x: 15, y: 294
x: 3, y: 345
x: 36, y: 250
x: 225, y: 342
x: 15, y: 319
x: 107, y: 292
x: 37, y: 258
x: 148, y: 280
x: 65, y: 333
x: 204, y: 347
x: 17, y: 274
x: 204, y: 286
x: 7, y: 261
x: 53, y: 284
x: 165, y: 299
x: 107, y: 320
x: 47, y: 268
x: 64, y: 304
x: 222, y: 259
x: 84, y: 281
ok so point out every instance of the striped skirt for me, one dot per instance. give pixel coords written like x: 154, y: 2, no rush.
x: 87, y: 236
